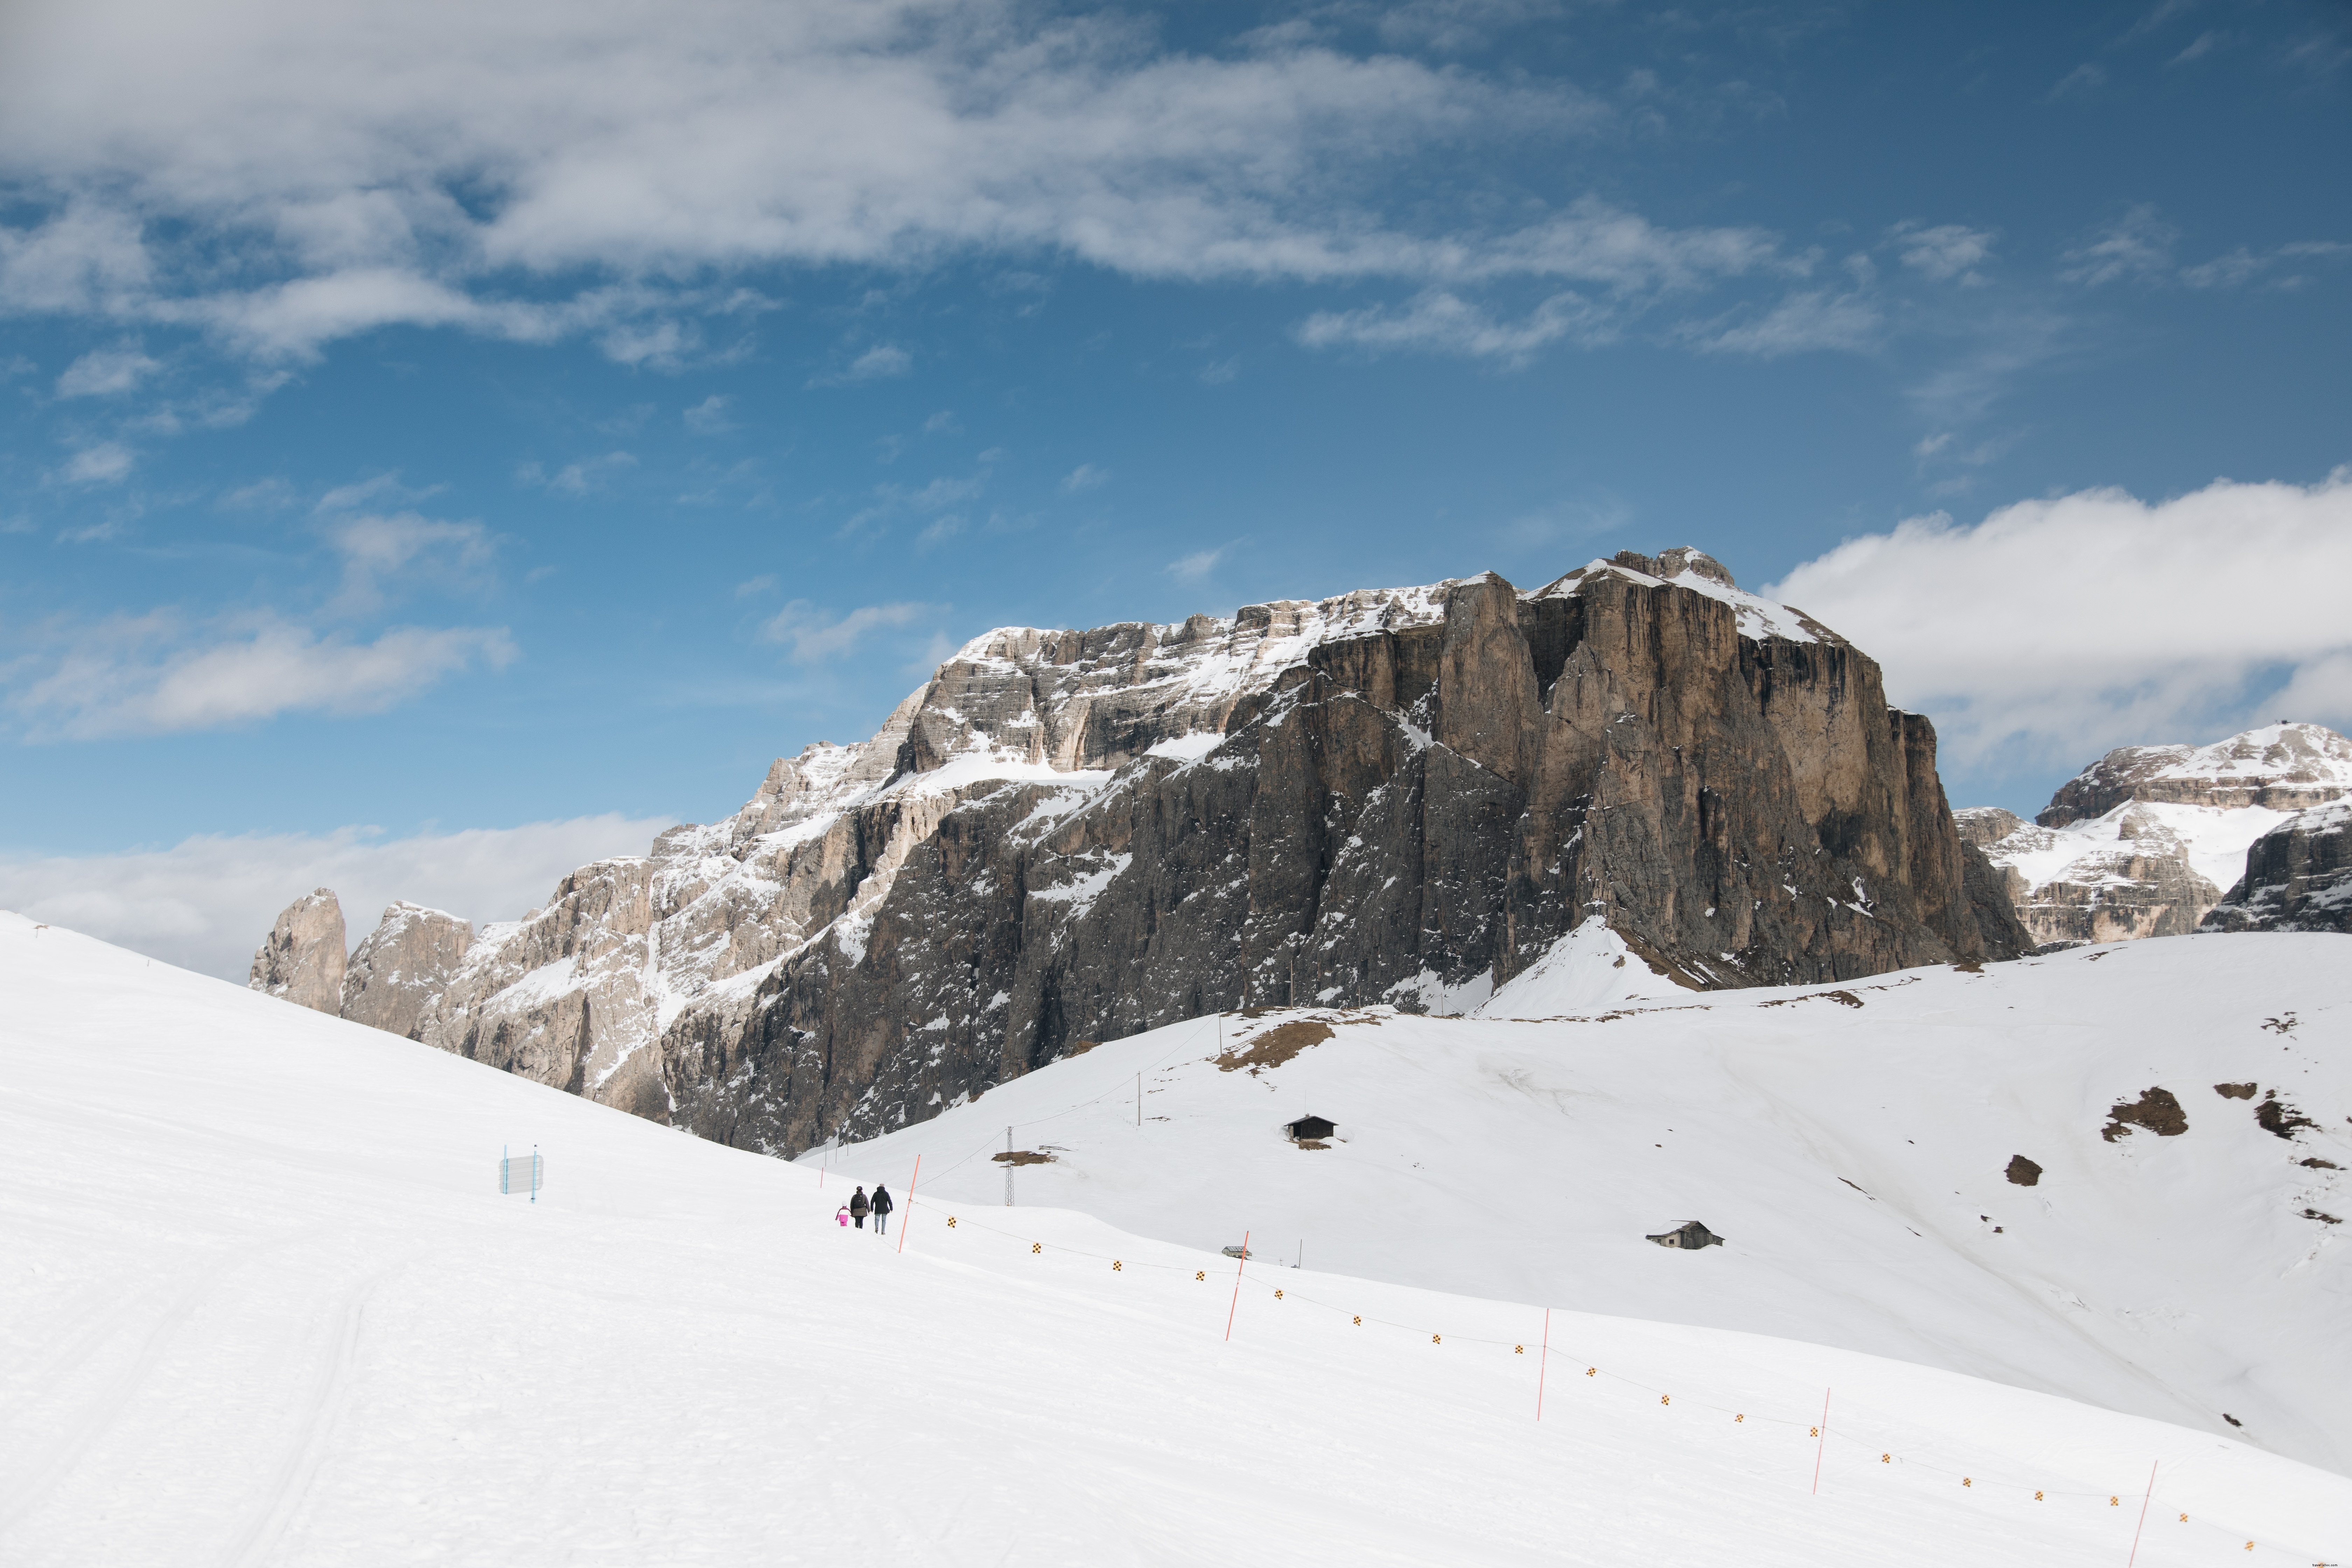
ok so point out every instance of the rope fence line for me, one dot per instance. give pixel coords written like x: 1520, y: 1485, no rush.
x: 1975, y: 1481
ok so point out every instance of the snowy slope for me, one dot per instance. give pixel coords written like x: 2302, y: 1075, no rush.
x: 1852, y: 1144
x: 260, y: 1302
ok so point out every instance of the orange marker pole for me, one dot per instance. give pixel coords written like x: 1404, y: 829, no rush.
x: 1237, y: 1286
x: 910, y: 1202
x: 1824, y: 1442
x: 2143, y: 1516
x: 1543, y: 1365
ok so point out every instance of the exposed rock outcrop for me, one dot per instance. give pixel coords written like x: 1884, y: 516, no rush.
x: 2143, y: 842
x: 302, y: 959
x: 399, y: 970
x: 2299, y: 877
x: 1406, y: 796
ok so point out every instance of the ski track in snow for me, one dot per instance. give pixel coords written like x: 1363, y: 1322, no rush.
x: 262, y: 1304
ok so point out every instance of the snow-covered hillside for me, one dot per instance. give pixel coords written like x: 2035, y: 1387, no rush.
x: 1851, y: 1143
x: 261, y: 1303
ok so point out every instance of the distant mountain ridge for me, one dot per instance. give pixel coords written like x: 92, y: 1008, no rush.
x: 2149, y: 839
x: 1403, y: 795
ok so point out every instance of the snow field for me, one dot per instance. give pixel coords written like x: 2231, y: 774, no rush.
x: 1851, y: 1143
x: 262, y: 1303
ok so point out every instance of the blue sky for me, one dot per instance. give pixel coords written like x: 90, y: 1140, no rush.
x: 441, y: 419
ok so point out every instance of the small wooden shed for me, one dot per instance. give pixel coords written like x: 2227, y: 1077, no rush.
x: 1308, y: 1129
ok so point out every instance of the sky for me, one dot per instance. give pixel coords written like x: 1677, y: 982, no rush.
x: 447, y: 443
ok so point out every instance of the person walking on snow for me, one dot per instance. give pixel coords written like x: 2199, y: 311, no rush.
x: 857, y: 1207
x: 882, y: 1206
x: 841, y: 1216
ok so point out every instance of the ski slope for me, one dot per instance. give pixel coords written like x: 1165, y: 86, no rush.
x: 1850, y: 1141
x: 262, y: 1303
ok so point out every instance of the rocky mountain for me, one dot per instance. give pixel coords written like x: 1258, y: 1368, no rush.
x: 2299, y: 877
x: 2143, y: 842
x: 397, y: 975
x: 302, y: 959
x: 1406, y: 796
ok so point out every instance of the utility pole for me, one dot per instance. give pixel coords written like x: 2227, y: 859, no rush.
x: 1139, y: 1100
x: 1008, y: 1169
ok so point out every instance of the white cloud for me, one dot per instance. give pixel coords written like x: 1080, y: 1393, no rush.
x: 1084, y: 477
x: 939, y: 533
x: 2137, y: 244
x: 1947, y: 250
x: 1801, y: 324
x: 2081, y: 82
x: 817, y: 635
x: 880, y: 362
x: 155, y: 673
x: 1445, y: 322
x: 370, y: 491
x: 378, y: 550
x: 107, y: 463
x: 404, y: 165
x: 2055, y: 629
x: 942, y: 422
x: 709, y: 418
x: 101, y: 373
x: 580, y: 478
x: 206, y: 902
x: 2243, y: 266
x: 1196, y: 567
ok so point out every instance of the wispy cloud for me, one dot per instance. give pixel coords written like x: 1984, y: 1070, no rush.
x: 815, y: 635
x: 1801, y: 324
x: 161, y: 673
x: 103, y: 372
x: 2081, y: 82
x: 1944, y: 251
x: 2136, y: 244
x: 2281, y: 267
x: 104, y: 463
x: 1084, y: 477
x: 1197, y: 566
x: 377, y: 489
x: 710, y: 417
x: 379, y: 551
x: 583, y: 477
x: 880, y: 362
x: 1445, y: 322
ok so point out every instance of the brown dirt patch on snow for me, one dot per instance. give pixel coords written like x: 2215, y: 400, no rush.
x: 1277, y: 1046
x: 1021, y: 1157
x: 2235, y: 1091
x: 2279, y: 1118
x: 2156, y: 1109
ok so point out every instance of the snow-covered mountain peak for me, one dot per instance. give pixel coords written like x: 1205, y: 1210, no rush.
x: 2285, y: 766
x: 2148, y: 840
x: 1684, y: 567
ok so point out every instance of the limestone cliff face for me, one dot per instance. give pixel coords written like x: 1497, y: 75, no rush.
x: 1400, y: 795
x: 302, y: 959
x: 398, y: 973
x: 1412, y: 813
x: 2142, y: 843
x: 2299, y: 877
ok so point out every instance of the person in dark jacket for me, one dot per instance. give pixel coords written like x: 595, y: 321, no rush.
x: 882, y: 1206
x: 858, y: 1205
